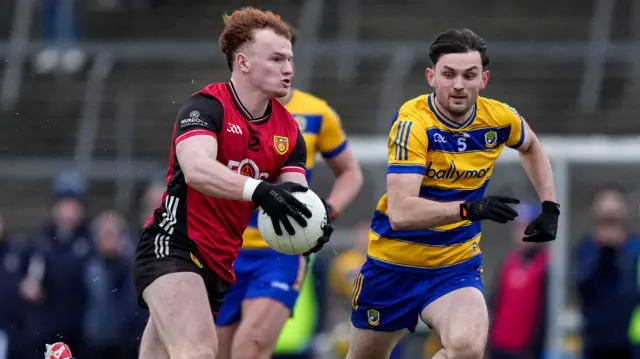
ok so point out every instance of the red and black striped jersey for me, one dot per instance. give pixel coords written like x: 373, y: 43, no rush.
x: 261, y: 148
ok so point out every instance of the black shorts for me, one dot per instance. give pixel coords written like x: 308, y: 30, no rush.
x: 156, y: 256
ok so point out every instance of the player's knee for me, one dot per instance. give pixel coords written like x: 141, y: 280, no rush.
x: 208, y: 351
x: 250, y: 346
x: 465, y: 347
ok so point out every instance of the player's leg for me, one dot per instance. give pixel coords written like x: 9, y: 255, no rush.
x: 365, y: 343
x: 181, y: 314
x: 258, y: 332
x: 151, y: 346
x: 459, y: 316
x: 230, y: 312
x: 268, y: 304
x: 385, y: 303
x: 173, y: 287
x: 225, y: 340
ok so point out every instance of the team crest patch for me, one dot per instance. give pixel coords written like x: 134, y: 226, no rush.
x: 373, y: 317
x: 302, y: 122
x: 195, y: 260
x: 490, y: 139
x: 281, y: 143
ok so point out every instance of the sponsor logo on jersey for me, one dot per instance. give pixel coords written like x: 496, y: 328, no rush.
x: 453, y: 173
x: 194, y: 120
x: 281, y: 143
x: 247, y: 168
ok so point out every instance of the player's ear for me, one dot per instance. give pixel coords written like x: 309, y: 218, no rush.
x: 242, y: 61
x: 485, y: 79
x: 430, y: 74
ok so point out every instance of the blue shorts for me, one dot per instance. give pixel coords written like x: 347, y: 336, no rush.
x: 389, y: 299
x: 262, y: 273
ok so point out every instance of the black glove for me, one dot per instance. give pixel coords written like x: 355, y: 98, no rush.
x: 493, y: 208
x: 327, y: 228
x: 544, y: 227
x: 277, y: 201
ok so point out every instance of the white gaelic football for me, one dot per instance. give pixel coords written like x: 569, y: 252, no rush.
x: 305, y: 237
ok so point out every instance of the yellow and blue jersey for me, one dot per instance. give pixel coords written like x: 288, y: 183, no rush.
x: 457, y: 161
x: 323, y: 134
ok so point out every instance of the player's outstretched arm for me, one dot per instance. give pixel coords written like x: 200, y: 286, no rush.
x: 537, y: 166
x: 197, y: 157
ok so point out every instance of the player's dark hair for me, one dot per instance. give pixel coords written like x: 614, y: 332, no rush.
x: 458, y: 41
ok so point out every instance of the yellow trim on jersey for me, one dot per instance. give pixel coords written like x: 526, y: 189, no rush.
x: 402, y: 253
x: 456, y: 162
x: 322, y: 131
x: 357, y: 289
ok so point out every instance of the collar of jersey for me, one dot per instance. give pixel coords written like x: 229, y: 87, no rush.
x: 243, y: 110
x: 446, y: 120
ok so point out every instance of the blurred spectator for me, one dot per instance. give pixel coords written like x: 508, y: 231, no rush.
x: 11, y: 325
x: 61, y: 20
x: 111, y: 304
x: 151, y: 199
x: 607, y: 277
x: 519, y: 301
x: 53, y: 286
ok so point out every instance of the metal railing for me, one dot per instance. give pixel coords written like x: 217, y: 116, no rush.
x: 16, y: 53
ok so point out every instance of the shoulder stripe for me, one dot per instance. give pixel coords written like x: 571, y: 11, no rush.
x: 402, y: 139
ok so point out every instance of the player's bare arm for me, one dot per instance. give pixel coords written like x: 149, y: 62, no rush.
x: 348, y: 181
x: 537, y: 166
x: 197, y: 158
x: 408, y: 211
x: 536, y: 163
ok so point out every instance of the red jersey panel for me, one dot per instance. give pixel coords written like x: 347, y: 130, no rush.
x: 260, y: 148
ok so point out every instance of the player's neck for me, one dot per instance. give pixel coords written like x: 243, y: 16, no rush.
x: 252, y: 99
x: 457, y: 119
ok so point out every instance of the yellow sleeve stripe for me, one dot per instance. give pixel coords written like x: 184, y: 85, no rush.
x: 401, y: 140
x: 381, y: 226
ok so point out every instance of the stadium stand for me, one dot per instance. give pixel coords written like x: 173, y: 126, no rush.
x: 546, y: 93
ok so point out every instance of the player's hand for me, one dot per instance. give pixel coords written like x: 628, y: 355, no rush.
x: 328, y: 230
x: 544, y: 227
x: 277, y: 201
x: 493, y: 208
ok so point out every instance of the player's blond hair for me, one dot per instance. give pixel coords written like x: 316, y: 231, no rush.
x: 241, y: 25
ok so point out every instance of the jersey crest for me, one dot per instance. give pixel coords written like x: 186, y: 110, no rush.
x: 281, y: 143
x: 490, y: 139
x: 302, y: 122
